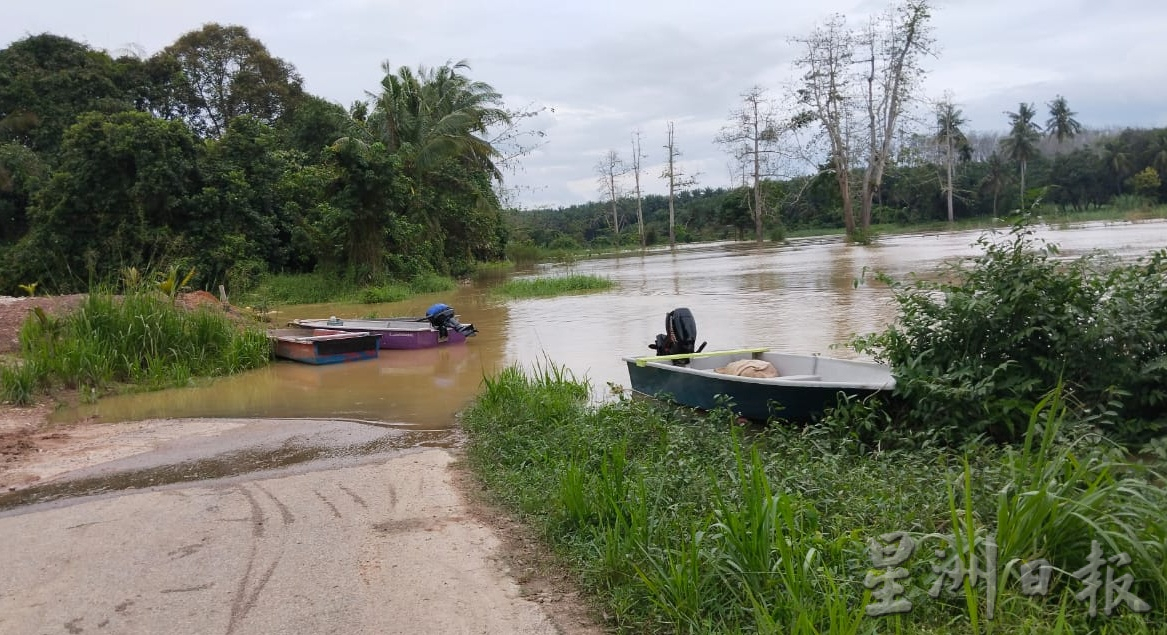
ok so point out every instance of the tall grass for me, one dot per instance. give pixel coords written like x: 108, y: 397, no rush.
x: 683, y: 523
x: 319, y: 287
x: 552, y: 286
x: 140, y: 338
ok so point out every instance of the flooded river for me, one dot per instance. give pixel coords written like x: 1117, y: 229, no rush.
x: 799, y: 297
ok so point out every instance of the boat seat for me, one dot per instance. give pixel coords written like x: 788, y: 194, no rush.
x: 801, y: 377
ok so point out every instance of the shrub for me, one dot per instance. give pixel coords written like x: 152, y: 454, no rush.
x: 974, y: 353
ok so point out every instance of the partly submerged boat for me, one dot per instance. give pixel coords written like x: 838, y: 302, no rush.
x: 323, y: 346
x: 439, y: 326
x: 753, y: 382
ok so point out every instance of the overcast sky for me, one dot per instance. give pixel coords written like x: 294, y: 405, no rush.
x: 609, y: 67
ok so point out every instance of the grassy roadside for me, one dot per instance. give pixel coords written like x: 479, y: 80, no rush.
x: 139, y: 339
x: 683, y: 523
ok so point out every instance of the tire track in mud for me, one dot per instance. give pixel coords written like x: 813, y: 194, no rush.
x: 328, y: 503
x: 251, y: 585
x: 356, y: 498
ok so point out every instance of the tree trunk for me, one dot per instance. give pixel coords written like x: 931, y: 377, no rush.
x: 950, y: 214
x: 1022, y: 185
x: 757, y: 185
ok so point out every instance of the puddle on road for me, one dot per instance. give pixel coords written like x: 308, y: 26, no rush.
x: 219, y: 466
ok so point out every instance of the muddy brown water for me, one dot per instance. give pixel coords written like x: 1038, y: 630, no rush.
x: 800, y: 297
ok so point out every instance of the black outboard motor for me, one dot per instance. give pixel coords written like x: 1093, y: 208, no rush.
x: 679, y: 337
x: 442, y: 317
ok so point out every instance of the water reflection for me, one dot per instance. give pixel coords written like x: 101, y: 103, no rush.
x: 800, y: 297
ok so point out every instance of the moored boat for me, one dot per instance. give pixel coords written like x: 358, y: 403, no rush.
x: 323, y: 346
x: 439, y: 327
x: 753, y: 382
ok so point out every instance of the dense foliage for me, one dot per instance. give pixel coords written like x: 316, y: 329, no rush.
x: 974, y: 351
x: 682, y: 523
x: 210, y: 156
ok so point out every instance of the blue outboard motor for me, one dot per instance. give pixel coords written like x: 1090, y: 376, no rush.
x: 680, y: 336
x: 441, y: 316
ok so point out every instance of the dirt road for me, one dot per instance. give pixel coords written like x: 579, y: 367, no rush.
x: 257, y: 526
x: 350, y: 543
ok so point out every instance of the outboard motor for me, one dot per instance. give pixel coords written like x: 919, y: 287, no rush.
x: 441, y: 316
x: 679, y: 337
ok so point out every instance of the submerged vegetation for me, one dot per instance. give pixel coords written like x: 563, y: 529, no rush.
x: 141, y: 338
x: 551, y: 286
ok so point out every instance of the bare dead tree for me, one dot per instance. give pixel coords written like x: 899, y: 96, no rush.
x: 834, y: 93
x: 609, y: 169
x: 513, y: 138
x: 894, y: 42
x: 752, y: 136
x: 826, y: 81
x: 677, y: 179
x: 635, y: 166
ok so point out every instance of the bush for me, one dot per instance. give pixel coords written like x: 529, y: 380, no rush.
x: 975, y: 353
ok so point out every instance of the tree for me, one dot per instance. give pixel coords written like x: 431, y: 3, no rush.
x: 1118, y: 162
x: 609, y: 169
x: 1061, y: 123
x: 22, y: 174
x: 677, y: 179
x: 46, y: 81
x: 635, y: 167
x: 1021, y: 143
x: 751, y: 137
x: 996, y: 178
x: 1076, y: 178
x: 119, y: 197
x: 951, y: 138
x: 896, y: 43
x: 825, y: 89
x: 1146, y: 183
x: 437, y: 122
x: 227, y: 73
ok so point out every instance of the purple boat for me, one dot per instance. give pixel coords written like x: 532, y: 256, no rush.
x: 439, y: 327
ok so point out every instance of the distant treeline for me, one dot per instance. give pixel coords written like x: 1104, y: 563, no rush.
x: 1094, y: 169
x: 210, y: 155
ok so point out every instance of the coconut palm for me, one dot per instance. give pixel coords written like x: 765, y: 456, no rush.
x: 438, y: 114
x: 996, y: 178
x: 951, y: 138
x: 1021, y: 143
x: 1061, y: 123
x: 1117, y: 161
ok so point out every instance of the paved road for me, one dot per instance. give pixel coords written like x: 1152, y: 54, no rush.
x: 380, y: 544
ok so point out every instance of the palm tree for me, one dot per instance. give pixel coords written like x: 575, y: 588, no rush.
x: 1021, y: 143
x: 1061, y: 123
x: 438, y: 114
x: 1118, y: 162
x: 949, y: 119
x: 996, y: 178
x: 1159, y: 153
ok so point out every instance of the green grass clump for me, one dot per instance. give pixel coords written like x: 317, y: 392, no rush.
x: 553, y: 286
x: 678, y: 522
x: 141, y: 339
x: 319, y: 288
